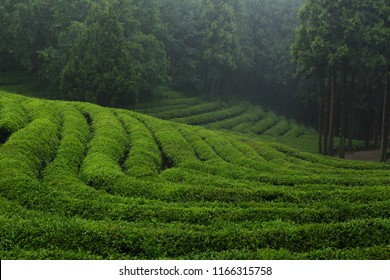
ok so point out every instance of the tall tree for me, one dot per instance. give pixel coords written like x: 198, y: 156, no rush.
x: 105, y: 57
x: 219, y: 45
x: 342, y: 38
x: 183, y: 41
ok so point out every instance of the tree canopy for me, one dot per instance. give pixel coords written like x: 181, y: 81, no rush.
x: 344, y: 46
x: 115, y: 52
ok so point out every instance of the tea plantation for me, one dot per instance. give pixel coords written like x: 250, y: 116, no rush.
x: 235, y: 117
x: 79, y: 181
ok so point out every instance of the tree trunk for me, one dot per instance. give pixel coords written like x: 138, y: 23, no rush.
x: 385, y: 122
x: 343, y: 115
x: 378, y: 121
x: 326, y: 111
x: 331, y: 116
x: 321, y: 114
x: 351, y: 111
x: 370, y: 119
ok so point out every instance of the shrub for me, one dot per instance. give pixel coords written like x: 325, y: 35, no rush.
x: 213, y: 116
x: 144, y: 157
x: 12, y: 116
x: 106, y: 149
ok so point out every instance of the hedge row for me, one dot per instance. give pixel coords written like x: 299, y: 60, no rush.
x: 75, y: 135
x: 260, y: 127
x: 170, y: 102
x: 370, y: 253
x: 27, y: 153
x: 190, y: 111
x: 202, y: 150
x: 213, y: 116
x: 156, y: 110
x: 151, y: 240
x: 174, y: 148
x: 144, y: 157
x: 13, y: 116
x: 281, y: 128
x: 107, y: 149
x: 252, y: 114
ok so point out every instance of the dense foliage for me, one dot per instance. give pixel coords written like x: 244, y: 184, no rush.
x: 115, y: 52
x: 99, y: 51
x: 343, y: 46
x: 79, y: 181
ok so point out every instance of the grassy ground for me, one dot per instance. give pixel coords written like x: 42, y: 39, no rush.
x: 79, y: 181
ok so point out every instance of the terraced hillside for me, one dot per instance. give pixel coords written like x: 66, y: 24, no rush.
x: 78, y: 181
x: 239, y: 118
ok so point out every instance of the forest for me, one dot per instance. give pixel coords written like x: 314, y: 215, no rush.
x: 219, y: 48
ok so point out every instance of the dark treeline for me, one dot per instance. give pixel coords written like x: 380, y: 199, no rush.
x: 343, y: 47
x: 116, y: 52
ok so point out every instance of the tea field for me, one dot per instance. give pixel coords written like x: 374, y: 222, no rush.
x: 235, y: 117
x: 79, y: 181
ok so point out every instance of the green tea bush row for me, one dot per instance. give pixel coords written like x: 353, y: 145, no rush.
x: 243, y: 127
x: 12, y: 116
x: 148, y: 240
x: 75, y: 135
x: 243, y: 156
x: 170, y: 102
x: 296, y: 130
x: 329, y: 161
x: 249, y: 214
x: 263, y: 189
x: 213, y: 116
x: 253, y: 114
x: 261, y: 126
x: 47, y: 254
x: 172, y: 144
x: 293, y: 159
x: 246, y: 149
x: 26, y: 154
x: 283, y: 175
x: 370, y: 253
x: 107, y: 148
x: 32, y: 147
x: 144, y: 157
x: 226, y: 150
x: 186, y: 112
x: 156, y: 110
x: 281, y: 128
x: 202, y: 150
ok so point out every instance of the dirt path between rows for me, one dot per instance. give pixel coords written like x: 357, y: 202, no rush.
x: 374, y: 155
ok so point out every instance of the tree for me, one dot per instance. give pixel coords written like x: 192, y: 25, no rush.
x: 105, y: 58
x: 310, y: 53
x: 335, y: 40
x: 96, y: 59
x: 183, y: 41
x: 219, y: 45
x: 380, y: 38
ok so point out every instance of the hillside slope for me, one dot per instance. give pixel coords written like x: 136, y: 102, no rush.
x: 236, y: 117
x: 79, y: 181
